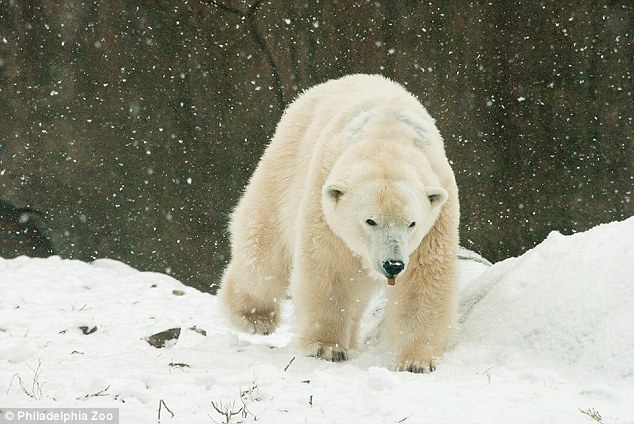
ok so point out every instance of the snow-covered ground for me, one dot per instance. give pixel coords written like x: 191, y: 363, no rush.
x: 546, y: 338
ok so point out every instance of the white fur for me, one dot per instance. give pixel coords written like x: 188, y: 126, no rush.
x: 344, y: 152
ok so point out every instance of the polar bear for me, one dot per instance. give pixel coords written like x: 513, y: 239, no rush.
x: 353, y: 190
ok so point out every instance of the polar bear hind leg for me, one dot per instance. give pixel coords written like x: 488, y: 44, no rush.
x: 255, y: 283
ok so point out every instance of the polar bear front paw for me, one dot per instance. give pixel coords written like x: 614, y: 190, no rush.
x: 328, y: 352
x: 417, y: 367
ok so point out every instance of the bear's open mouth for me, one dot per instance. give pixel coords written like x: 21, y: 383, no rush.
x: 391, y: 281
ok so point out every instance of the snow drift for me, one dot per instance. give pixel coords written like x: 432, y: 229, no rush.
x: 568, y: 304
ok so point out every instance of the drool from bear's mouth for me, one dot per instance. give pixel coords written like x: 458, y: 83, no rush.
x: 391, y: 281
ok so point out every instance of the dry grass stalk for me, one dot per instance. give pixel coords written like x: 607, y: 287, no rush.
x: 592, y: 413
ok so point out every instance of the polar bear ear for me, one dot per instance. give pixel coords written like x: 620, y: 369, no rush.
x: 437, y: 195
x: 334, y: 191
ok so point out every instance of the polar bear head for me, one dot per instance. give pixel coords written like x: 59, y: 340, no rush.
x: 382, y: 210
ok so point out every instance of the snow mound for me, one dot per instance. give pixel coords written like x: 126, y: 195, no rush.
x: 567, y: 304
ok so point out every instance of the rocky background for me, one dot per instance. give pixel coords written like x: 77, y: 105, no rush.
x: 129, y: 128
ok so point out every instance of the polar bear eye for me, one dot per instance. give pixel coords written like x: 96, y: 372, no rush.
x: 412, y: 225
x: 370, y: 222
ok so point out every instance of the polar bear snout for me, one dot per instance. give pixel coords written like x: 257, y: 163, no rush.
x: 393, y: 267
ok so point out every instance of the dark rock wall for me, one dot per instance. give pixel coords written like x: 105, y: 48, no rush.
x: 134, y: 125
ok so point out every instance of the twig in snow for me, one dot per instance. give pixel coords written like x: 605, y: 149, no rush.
x: 245, y: 410
x: 487, y: 373
x: 178, y: 365
x: 161, y: 404
x: 36, y: 386
x: 252, y: 393
x: 592, y: 413
x: 226, y: 410
x: 289, y: 363
x: 101, y: 392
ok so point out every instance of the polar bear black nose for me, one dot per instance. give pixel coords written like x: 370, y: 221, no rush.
x: 393, y: 268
